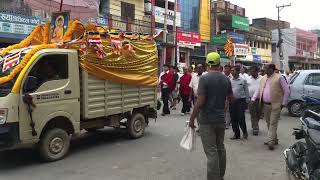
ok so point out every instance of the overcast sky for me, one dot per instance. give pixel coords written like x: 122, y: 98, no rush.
x: 304, y: 14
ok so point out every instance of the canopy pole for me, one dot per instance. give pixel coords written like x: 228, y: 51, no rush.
x: 61, y: 5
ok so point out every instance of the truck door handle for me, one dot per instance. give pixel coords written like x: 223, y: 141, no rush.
x: 67, y: 92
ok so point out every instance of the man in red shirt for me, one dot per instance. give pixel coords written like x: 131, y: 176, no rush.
x: 167, y: 83
x: 185, y: 90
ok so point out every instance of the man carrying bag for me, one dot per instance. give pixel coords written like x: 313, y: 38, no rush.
x: 214, y: 88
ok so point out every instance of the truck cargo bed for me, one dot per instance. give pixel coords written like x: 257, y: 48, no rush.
x: 101, y: 98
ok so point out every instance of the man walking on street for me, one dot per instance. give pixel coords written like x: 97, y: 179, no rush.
x: 185, y: 91
x: 227, y: 72
x: 167, y: 83
x: 273, y: 94
x: 239, y: 104
x: 214, y: 88
x: 253, y: 84
x: 195, y: 83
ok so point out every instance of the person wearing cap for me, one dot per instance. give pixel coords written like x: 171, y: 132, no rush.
x: 213, y: 91
x: 273, y: 95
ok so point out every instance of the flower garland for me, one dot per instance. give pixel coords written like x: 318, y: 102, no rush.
x: 24, y: 62
x: 24, y: 43
x: 46, y: 33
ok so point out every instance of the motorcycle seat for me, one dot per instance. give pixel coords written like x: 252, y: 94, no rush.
x: 312, y: 123
x: 314, y: 136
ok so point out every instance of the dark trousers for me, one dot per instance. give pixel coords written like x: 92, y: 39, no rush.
x: 237, y: 109
x: 185, y: 104
x: 165, y: 93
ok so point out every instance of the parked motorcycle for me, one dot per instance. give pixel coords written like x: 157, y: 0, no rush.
x: 303, y: 157
x: 311, y: 103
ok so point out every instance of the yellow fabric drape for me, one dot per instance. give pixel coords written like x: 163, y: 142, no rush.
x: 137, y: 67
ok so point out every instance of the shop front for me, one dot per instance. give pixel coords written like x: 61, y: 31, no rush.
x: 187, y: 42
x: 14, y: 28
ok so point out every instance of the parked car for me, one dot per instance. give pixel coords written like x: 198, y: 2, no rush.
x: 303, y: 83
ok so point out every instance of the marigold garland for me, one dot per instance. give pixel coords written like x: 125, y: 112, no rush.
x: 24, y: 43
x: 46, y: 32
x: 24, y: 62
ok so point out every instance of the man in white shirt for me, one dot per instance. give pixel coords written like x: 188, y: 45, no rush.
x: 227, y: 72
x: 243, y: 73
x: 253, y: 84
x: 194, y: 83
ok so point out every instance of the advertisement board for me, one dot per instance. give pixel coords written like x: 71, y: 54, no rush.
x: 159, y: 16
x: 241, y: 23
x: 188, y: 39
x: 241, y: 49
x: 219, y: 39
x: 17, y: 24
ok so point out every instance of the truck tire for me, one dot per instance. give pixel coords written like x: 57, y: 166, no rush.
x: 54, y: 145
x: 136, y: 126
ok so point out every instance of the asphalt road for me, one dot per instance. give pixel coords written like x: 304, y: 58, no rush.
x: 109, y: 155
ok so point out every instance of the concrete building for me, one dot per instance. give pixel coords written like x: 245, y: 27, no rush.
x: 269, y: 24
x: 16, y: 22
x: 229, y: 20
x: 299, y: 49
x: 259, y: 41
x: 167, y: 20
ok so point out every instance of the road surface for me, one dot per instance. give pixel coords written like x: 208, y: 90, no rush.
x: 109, y: 155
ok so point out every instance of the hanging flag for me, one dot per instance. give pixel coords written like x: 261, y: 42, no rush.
x: 11, y: 60
x: 94, y: 38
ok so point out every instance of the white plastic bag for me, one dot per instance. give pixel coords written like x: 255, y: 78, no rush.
x: 189, y: 139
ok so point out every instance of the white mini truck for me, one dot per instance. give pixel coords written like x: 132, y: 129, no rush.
x: 52, y: 99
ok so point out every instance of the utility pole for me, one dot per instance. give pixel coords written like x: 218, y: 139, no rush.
x: 280, y: 41
x: 165, y: 29
x: 175, y: 54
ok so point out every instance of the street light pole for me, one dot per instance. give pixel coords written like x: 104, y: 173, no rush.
x: 280, y: 41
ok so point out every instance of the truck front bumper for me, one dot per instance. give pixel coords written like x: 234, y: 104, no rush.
x: 9, y: 135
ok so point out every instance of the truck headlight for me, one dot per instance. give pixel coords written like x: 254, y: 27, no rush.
x: 3, y: 115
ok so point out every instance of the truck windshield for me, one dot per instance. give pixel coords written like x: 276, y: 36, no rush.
x: 5, y: 89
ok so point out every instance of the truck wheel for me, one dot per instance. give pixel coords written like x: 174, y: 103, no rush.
x: 136, y: 125
x: 54, y: 144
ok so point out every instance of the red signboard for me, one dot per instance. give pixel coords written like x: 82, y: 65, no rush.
x: 192, y: 38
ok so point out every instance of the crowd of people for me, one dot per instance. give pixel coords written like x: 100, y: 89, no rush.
x: 220, y: 96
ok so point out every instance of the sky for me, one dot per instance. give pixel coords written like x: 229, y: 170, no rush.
x: 303, y: 14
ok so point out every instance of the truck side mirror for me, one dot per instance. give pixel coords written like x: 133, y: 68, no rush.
x: 31, y: 84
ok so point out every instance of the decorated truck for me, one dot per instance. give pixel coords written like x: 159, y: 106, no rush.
x: 88, y: 78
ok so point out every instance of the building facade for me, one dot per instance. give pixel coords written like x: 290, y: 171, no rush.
x: 299, y: 49
x: 269, y: 24
x: 17, y: 20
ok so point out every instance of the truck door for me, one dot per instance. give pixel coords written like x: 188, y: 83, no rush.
x: 53, y: 83
x: 312, y: 85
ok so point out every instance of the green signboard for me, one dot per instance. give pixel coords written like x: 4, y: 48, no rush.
x: 219, y: 39
x: 240, y: 23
